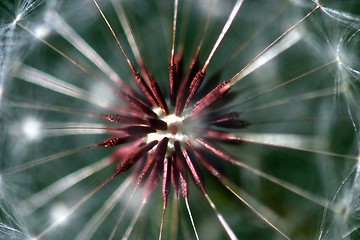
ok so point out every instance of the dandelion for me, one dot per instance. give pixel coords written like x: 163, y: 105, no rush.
x: 179, y: 120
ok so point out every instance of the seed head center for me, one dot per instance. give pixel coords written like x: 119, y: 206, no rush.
x: 175, y: 131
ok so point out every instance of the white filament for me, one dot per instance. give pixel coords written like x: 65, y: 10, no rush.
x: 288, y: 41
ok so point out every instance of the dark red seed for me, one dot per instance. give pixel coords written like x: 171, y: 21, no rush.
x: 159, y: 96
x: 211, y: 97
x: 153, y: 179
x: 173, y: 83
x: 157, y: 124
x: 184, y: 187
x: 145, y: 88
x: 221, y: 136
x: 166, y: 178
x: 135, y: 155
x: 220, y: 118
x: 119, y: 140
x: 210, y: 167
x: 194, y: 86
x: 156, y: 156
x: 125, y: 111
x: 183, y: 90
x: 124, y: 119
x: 228, y: 120
x: 180, y: 162
x: 217, y: 151
x: 137, y: 104
x: 122, y: 152
x: 195, y: 173
x: 136, y: 130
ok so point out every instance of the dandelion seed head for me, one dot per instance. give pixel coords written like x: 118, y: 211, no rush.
x: 194, y: 138
x: 31, y: 128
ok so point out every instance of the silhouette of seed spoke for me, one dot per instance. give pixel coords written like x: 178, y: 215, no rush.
x: 52, y: 83
x: 174, y: 222
x: 165, y: 190
x: 184, y: 190
x: 199, y: 77
x: 54, y: 48
x: 74, y: 208
x: 137, y: 104
x: 200, y: 183
x: 160, y: 100
x: 231, y: 186
x: 283, y: 101
x: 314, y: 70
x: 261, y: 29
x: 292, y: 188
x: 139, y: 80
x: 94, y: 223
x: 43, y: 197
x: 134, y: 219
x: 279, y: 45
x: 289, y: 141
x: 44, y: 160
x: 223, y: 222
x: 55, y: 129
x: 54, y: 108
x: 253, y: 208
x: 286, y: 42
x: 65, y: 30
x: 118, y: 222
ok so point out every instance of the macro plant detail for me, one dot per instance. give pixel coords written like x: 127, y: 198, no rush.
x: 179, y: 119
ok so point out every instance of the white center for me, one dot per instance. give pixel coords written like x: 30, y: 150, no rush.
x: 180, y: 136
